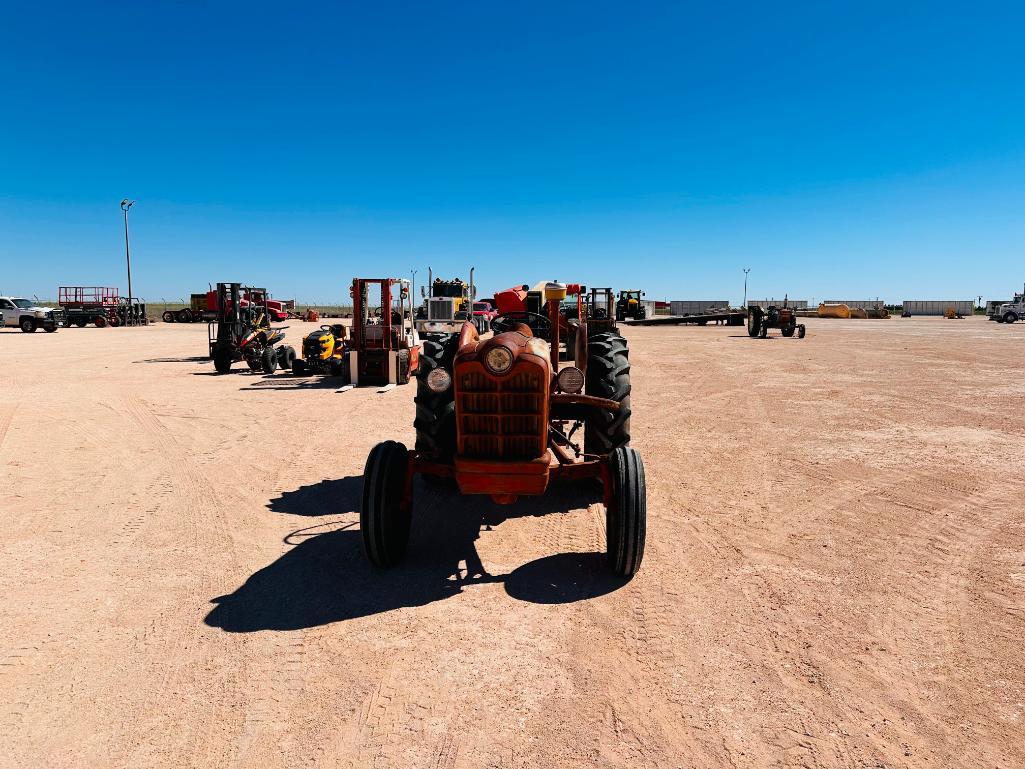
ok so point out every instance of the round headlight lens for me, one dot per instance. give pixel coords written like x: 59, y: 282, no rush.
x: 439, y: 380
x: 499, y: 359
x: 571, y: 380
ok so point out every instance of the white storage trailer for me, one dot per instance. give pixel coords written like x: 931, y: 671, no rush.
x: 938, y: 306
x: 696, y: 306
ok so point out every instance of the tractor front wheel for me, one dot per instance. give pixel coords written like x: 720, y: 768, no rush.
x: 269, y: 360
x: 626, y: 512
x: 789, y: 331
x: 383, y: 519
x: 801, y: 331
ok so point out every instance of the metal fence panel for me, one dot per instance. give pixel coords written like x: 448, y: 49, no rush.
x: 695, y: 306
x: 797, y: 304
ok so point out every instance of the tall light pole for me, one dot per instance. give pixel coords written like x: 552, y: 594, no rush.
x: 412, y: 291
x: 746, y: 271
x: 125, y: 205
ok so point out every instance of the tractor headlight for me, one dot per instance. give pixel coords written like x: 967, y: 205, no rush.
x: 571, y: 380
x: 439, y: 380
x: 499, y: 360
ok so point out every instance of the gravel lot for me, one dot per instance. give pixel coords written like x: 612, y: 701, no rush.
x: 834, y: 577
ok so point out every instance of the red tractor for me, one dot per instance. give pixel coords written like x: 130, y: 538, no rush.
x: 500, y: 418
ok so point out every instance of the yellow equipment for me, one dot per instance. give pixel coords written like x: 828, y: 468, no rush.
x: 834, y: 311
x: 323, y: 351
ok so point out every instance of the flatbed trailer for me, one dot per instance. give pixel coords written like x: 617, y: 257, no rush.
x: 726, y: 317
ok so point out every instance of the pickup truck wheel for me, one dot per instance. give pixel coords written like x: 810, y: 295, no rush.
x: 626, y: 512
x: 383, y: 521
x: 28, y: 325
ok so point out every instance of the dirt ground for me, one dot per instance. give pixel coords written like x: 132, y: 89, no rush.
x: 834, y: 575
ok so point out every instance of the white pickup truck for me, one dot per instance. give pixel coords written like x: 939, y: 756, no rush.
x: 25, y: 314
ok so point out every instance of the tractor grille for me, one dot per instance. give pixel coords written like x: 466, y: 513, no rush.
x: 503, y: 418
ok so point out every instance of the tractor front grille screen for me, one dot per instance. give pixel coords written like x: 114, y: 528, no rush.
x: 501, y: 418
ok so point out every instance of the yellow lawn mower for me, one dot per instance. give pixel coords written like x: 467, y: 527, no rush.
x: 324, y: 352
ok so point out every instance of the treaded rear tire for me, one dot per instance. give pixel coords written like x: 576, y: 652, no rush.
x: 435, y: 421
x: 269, y: 360
x: 383, y: 523
x: 801, y: 331
x: 627, y: 512
x: 608, y: 376
x: 222, y: 360
x: 754, y: 321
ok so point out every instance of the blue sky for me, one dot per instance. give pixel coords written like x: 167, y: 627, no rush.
x: 854, y: 149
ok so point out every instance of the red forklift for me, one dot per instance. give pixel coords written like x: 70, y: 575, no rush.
x: 384, y: 347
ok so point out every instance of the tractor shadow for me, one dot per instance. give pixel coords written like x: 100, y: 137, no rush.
x: 325, y: 577
x: 193, y: 359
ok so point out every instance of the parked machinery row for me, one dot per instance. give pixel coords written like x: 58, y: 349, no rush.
x: 381, y: 348
x: 206, y: 306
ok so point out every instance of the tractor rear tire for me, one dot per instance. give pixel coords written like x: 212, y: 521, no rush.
x: 627, y: 512
x: 608, y: 376
x: 167, y: 317
x: 383, y: 522
x: 269, y: 360
x: 435, y: 421
x: 801, y: 331
x: 222, y: 361
x: 754, y: 322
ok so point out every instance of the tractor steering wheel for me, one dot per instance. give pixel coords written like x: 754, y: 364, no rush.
x: 539, y: 325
